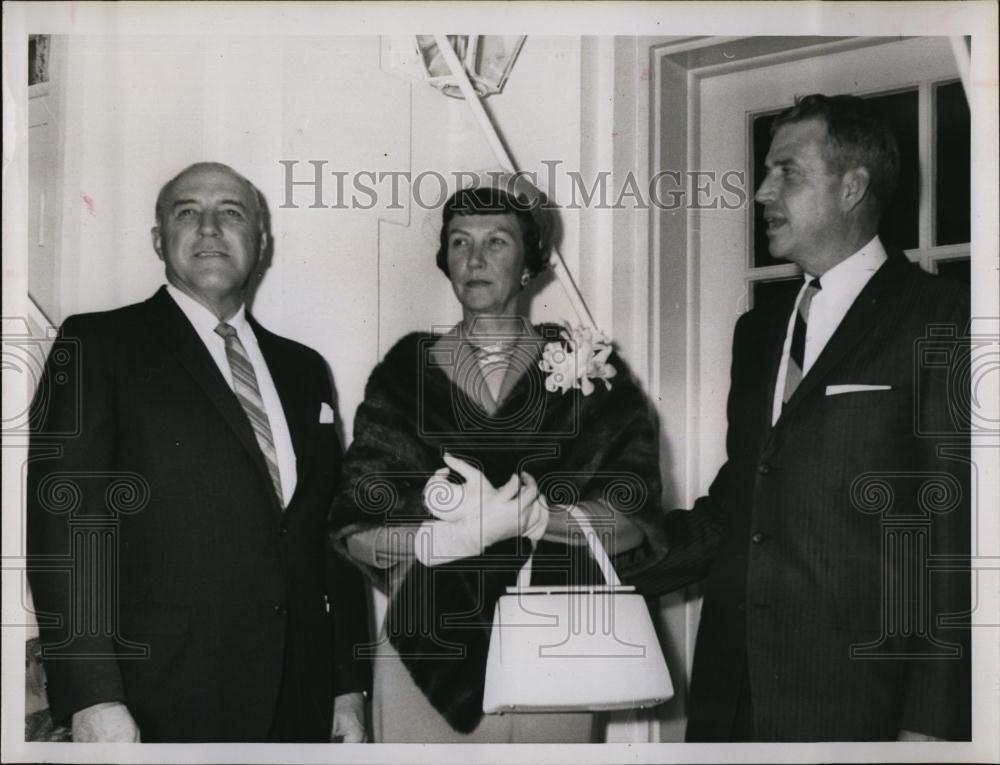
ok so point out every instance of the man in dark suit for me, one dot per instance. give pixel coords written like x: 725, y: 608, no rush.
x: 182, y: 466
x: 847, y: 473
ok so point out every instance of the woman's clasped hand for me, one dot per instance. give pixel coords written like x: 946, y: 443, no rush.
x: 471, y: 516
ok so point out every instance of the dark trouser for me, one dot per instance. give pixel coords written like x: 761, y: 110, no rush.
x: 299, y: 716
x: 713, y: 721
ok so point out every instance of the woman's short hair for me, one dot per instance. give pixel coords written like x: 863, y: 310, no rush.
x: 529, y: 209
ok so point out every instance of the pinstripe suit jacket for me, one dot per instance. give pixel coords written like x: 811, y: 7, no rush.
x: 818, y: 536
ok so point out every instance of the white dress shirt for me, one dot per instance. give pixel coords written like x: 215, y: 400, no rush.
x: 204, y: 323
x: 841, y: 286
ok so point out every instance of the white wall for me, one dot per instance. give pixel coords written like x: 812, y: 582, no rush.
x: 347, y: 282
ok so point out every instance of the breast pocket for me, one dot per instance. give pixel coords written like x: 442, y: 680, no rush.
x: 326, y: 439
x: 850, y: 397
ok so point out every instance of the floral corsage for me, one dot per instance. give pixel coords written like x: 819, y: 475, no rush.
x: 579, y: 359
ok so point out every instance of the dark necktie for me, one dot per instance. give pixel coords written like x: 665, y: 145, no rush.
x: 796, y: 354
x: 247, y: 391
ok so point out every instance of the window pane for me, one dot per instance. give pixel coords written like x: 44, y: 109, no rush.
x: 952, y: 186
x: 900, y: 224
x: 957, y: 269
x: 764, y: 292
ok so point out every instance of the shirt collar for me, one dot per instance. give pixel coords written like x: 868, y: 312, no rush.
x: 858, y: 268
x: 205, y: 321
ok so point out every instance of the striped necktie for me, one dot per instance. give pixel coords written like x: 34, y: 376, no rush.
x: 248, y: 393
x: 796, y: 354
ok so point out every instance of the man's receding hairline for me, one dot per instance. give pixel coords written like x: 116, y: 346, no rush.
x: 834, y: 153
x: 166, y: 189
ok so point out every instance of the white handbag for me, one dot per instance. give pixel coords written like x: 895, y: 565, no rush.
x: 574, y: 648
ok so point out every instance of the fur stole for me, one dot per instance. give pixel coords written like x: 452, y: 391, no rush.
x: 602, y: 446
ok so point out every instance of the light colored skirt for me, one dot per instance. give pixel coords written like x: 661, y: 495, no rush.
x: 402, y: 714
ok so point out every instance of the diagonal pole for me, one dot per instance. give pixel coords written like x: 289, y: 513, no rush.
x: 503, y: 158
x: 963, y: 61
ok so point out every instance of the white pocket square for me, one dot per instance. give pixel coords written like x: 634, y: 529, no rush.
x: 836, y: 390
x: 325, y: 413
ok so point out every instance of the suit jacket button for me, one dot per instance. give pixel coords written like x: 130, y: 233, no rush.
x: 280, y: 610
x: 763, y: 468
x: 283, y: 530
x: 757, y: 538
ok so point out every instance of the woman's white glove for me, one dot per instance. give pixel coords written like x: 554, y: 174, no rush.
x: 537, y: 517
x: 474, y: 515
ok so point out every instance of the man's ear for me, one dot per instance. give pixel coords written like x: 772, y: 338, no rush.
x: 854, y: 187
x: 263, y: 243
x: 157, y: 241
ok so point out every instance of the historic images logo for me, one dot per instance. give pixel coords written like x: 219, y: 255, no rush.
x: 311, y: 184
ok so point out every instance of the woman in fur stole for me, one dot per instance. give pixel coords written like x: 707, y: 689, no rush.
x: 476, y: 404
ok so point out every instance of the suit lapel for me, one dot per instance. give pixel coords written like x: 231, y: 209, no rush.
x: 856, y: 324
x: 770, y: 347
x: 169, y: 324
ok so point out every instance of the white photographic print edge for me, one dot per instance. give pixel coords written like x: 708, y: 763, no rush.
x: 354, y: 169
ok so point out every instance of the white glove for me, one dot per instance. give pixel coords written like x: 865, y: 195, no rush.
x: 537, y: 520
x: 474, y: 515
x: 450, y: 501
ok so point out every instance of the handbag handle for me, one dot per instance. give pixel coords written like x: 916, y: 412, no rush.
x: 596, y: 549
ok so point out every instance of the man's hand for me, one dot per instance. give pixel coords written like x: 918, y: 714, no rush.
x: 349, y: 719
x: 105, y: 723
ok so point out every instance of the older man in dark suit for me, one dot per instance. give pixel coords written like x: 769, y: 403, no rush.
x: 847, y: 474
x: 183, y: 463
